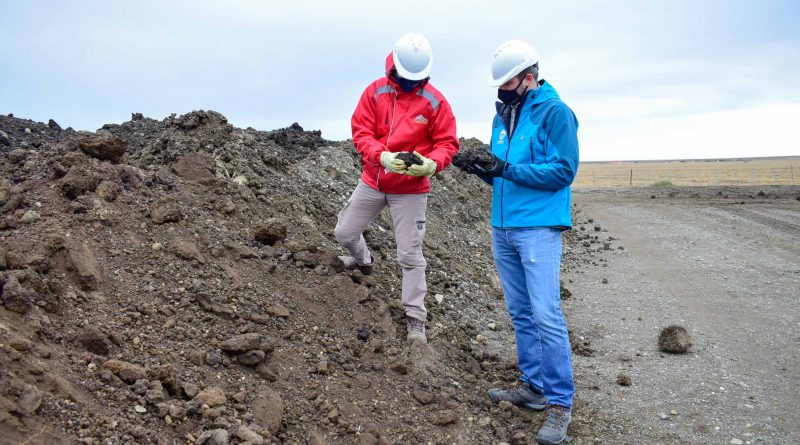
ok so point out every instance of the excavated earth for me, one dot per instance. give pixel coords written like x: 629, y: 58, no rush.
x: 175, y: 281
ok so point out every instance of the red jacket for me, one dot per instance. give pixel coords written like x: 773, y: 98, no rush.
x: 388, y: 118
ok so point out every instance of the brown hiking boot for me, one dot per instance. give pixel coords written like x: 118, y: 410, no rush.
x: 415, y: 329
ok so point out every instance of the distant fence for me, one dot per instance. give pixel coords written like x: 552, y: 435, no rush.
x: 689, y: 173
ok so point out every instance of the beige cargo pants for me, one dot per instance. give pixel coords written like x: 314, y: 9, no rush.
x: 408, y: 216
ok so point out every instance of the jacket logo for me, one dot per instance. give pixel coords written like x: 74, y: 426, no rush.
x: 501, y: 138
x: 421, y: 120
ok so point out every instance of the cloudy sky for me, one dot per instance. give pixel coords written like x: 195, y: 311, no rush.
x: 647, y: 80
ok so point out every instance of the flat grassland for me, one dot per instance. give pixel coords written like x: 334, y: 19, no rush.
x: 753, y: 171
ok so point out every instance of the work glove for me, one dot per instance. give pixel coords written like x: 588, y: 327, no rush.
x: 428, y: 167
x: 494, y: 171
x: 390, y: 162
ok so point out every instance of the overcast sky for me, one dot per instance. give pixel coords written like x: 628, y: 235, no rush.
x: 647, y: 80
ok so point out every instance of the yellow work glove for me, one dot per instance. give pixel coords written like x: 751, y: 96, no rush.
x: 390, y: 162
x: 428, y: 167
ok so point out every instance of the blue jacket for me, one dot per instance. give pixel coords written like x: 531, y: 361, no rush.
x: 541, y: 161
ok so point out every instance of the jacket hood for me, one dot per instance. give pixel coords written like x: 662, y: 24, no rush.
x: 389, y: 63
x: 542, y: 94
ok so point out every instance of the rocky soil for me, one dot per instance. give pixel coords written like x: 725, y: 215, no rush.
x: 174, y: 282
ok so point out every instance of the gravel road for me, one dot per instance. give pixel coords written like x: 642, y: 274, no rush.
x: 724, y: 263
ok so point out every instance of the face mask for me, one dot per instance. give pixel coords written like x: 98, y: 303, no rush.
x: 407, y: 85
x: 511, y: 97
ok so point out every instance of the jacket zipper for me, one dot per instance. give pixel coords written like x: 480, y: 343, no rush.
x: 388, y: 137
x: 508, y: 148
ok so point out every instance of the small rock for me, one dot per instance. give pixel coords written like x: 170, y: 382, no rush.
x: 94, y: 341
x: 4, y: 139
x: 246, y: 434
x: 268, y: 411
x: 675, y: 340
x: 15, y: 297
x: 505, y: 405
x: 605, y: 280
x: 444, y: 418
x: 251, y: 358
x: 423, y: 397
x: 623, y: 380
x: 213, y: 358
x: 242, y: 343
x: 128, y: 372
x: 104, y: 148
x: 439, y: 298
x: 213, y: 437
x: 673, y: 413
x: 53, y: 125
x: 187, y: 251
x: 30, y: 217
x: 270, y: 232
x: 736, y: 441
x: 323, y: 367
x: 29, y: 401
x: 597, y: 228
x: 108, y: 190
x: 277, y: 310
x: 140, y: 409
x: 492, y: 326
x: 399, y: 367
x: 157, y: 246
x: 190, y: 389
x: 20, y: 344
x: 165, y: 211
x: 212, y: 397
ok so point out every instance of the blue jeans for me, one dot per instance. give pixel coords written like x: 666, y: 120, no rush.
x: 528, y: 262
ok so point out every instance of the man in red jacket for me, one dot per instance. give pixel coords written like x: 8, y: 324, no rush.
x: 399, y: 113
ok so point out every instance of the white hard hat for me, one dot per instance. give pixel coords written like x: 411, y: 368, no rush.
x: 510, y: 59
x: 413, y: 57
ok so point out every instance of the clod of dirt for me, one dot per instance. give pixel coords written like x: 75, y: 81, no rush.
x: 409, y: 158
x: 78, y: 181
x: 165, y: 211
x: 674, y: 339
x: 15, y: 297
x: 94, y: 341
x: 268, y: 411
x: 104, y: 148
x: 580, y: 346
x: 565, y: 293
x: 195, y: 167
x: 623, y: 380
x: 473, y: 152
x: 128, y: 372
x: 270, y: 232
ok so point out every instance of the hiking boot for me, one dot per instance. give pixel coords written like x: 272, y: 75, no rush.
x: 523, y: 395
x: 415, y: 330
x: 554, y: 428
x: 350, y: 263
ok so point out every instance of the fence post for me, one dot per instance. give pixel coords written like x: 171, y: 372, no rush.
x: 791, y: 167
x: 630, y: 183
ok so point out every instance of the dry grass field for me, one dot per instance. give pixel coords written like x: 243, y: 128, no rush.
x: 757, y: 171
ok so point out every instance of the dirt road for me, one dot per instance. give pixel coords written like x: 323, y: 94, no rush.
x: 725, y: 263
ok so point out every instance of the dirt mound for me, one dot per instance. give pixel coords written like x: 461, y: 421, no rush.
x: 186, y: 289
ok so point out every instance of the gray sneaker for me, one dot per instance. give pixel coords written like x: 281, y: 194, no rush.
x: 523, y: 395
x: 350, y: 263
x: 554, y: 428
x: 415, y: 330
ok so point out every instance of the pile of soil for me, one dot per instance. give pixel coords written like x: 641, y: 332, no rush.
x: 175, y: 280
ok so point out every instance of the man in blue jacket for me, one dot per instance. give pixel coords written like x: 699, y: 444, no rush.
x: 535, y: 157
